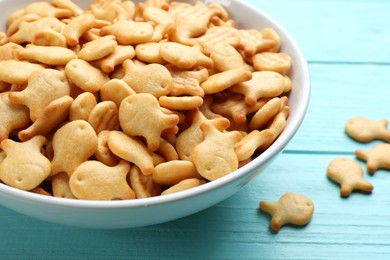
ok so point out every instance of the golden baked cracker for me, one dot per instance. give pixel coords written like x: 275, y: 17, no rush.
x: 74, y: 143
x: 82, y: 106
x: 43, y: 87
x: 27, y: 30
x: 162, y: 4
x: 118, y: 73
x: 217, y: 21
x: 104, y: 116
x: 167, y: 150
x: 160, y: 31
x: 44, y: 9
x: 47, y: 37
x: 263, y: 84
x: 120, y: 54
x: 172, y: 172
x: 181, y: 115
x: 206, y: 110
x: 184, y: 57
x: 140, y: 115
x: 176, y: 7
x: 4, y: 86
x: 224, y: 80
x: 183, y: 185
x: 270, y: 34
x: 157, y: 15
x: 128, y: 32
x: 189, y: 138
x: 17, y: 72
x: 187, y: 82
x: 89, y: 36
x: 8, y: 51
x: 376, y: 158
x: 97, y: 49
x: 111, y: 11
x: 25, y: 18
x: 267, y: 112
x: 252, y: 42
x: 149, y: 52
x: 51, y: 116
x: 215, y: 157
x: 277, y: 126
x: 103, y: 152
x: 349, y: 174
x: 41, y: 191
x: 365, y: 130
x: 287, y: 84
x: 291, y: 208
x: 24, y: 167
x: 12, y: 116
x: 236, y: 107
x: 131, y: 149
x: 85, y: 76
x: 93, y: 180
x: 226, y: 57
x: 216, y: 35
x: 50, y: 55
x: 251, y: 142
x: 60, y: 186
x: 77, y: 26
x: 154, y: 79
x: 116, y: 90
x: 180, y: 103
x: 192, y: 21
x: 278, y: 62
x: 143, y: 185
x: 69, y: 5
x: 14, y: 15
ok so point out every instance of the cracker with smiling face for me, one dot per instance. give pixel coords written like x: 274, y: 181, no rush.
x: 291, y: 208
x: 141, y: 115
x: 215, y: 156
x: 24, y: 167
x: 73, y: 143
x: 44, y: 86
x: 93, y: 180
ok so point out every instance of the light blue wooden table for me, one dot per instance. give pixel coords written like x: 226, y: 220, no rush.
x: 347, y: 46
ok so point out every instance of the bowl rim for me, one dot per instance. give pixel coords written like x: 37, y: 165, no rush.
x: 279, y: 144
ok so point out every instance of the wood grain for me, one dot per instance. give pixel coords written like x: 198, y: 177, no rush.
x: 346, y: 44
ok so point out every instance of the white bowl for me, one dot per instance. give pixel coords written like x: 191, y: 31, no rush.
x: 149, y: 211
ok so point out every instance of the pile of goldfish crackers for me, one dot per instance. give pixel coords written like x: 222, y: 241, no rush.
x: 129, y: 100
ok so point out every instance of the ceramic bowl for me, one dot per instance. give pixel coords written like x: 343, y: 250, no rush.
x: 149, y: 211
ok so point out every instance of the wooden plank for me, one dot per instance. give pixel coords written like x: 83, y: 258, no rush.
x: 340, y: 92
x: 234, y: 229
x: 336, y: 31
